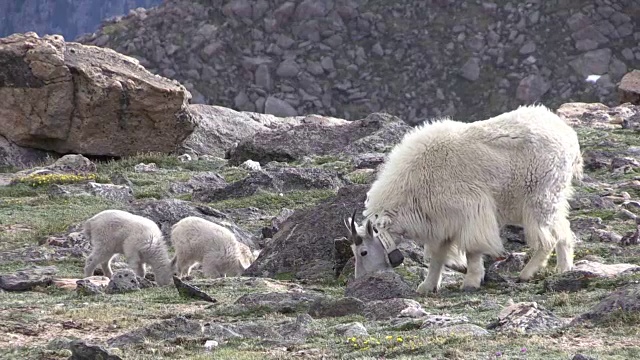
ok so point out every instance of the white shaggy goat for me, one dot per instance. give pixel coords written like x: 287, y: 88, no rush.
x: 451, y: 186
x: 197, y: 240
x: 114, y: 232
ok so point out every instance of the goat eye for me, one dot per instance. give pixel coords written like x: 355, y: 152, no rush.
x: 375, y: 230
x: 363, y: 253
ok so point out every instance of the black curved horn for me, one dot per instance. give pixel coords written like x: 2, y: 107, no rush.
x: 353, y: 222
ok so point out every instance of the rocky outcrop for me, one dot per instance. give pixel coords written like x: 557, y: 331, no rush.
x: 67, y: 97
x: 69, y: 18
x: 219, y: 129
x: 470, y: 60
x: 304, y: 247
x: 316, y: 136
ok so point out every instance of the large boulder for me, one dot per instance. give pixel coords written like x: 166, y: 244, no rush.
x: 304, y: 246
x: 377, y: 132
x: 67, y: 97
x: 629, y: 88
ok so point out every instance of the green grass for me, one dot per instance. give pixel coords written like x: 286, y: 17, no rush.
x: 26, y: 221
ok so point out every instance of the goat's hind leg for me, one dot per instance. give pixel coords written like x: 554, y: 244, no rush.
x: 542, y: 242
x: 431, y: 283
x: 135, y: 263
x: 475, y: 272
x: 93, y: 260
x: 561, y: 230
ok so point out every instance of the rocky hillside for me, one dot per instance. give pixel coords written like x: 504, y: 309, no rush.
x: 413, y: 59
x: 68, y: 18
x: 282, y: 185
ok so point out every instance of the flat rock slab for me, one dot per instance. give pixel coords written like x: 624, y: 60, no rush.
x: 72, y: 284
x: 599, y: 116
x: 584, y: 273
x: 27, y: 279
x: 283, y: 302
x: 189, y: 291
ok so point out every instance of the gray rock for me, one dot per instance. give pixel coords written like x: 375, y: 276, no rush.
x: 81, y: 350
x: 326, y: 307
x: 219, y: 129
x: 327, y: 63
x: 442, y: 321
x: 28, y: 278
x: 73, y: 163
x: 471, y: 69
x: 279, y: 107
x: 594, y: 62
x: 527, y: 317
x: 368, y: 161
x: 618, y: 303
x: 125, y: 280
x: 380, y: 285
x: 207, y: 180
x: 12, y: 155
x: 582, y: 357
x: 388, y: 308
x: 119, y: 193
x: 528, y: 48
x: 190, y: 291
x: 531, y: 88
x: 351, y: 329
x: 263, y: 77
x: 85, y: 287
x: 276, y: 223
x: 513, y: 262
x: 279, y: 180
x: 288, y: 69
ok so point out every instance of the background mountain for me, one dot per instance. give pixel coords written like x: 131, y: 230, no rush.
x: 413, y: 59
x: 68, y: 18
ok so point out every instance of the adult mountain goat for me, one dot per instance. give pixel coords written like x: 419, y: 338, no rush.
x: 114, y: 232
x: 451, y: 186
x: 197, y: 240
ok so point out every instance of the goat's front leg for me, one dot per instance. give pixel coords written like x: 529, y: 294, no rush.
x: 431, y: 283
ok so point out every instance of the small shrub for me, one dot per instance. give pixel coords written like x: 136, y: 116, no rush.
x: 48, y: 179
